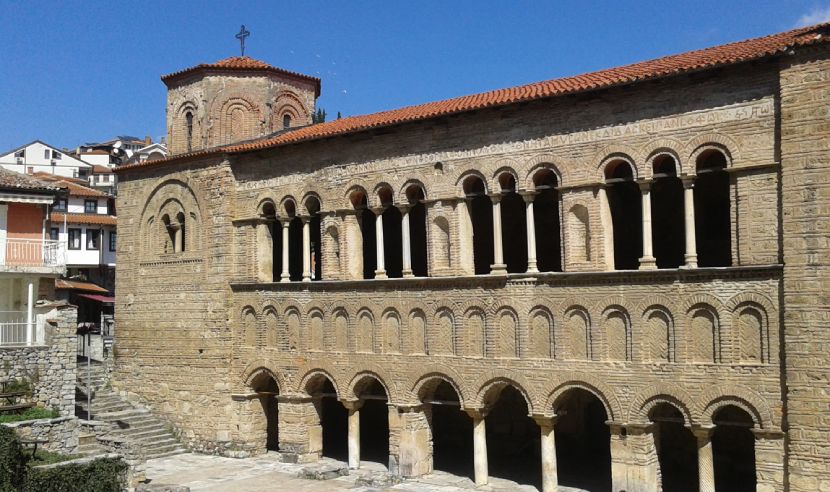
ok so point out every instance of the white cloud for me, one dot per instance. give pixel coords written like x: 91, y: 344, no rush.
x: 816, y: 16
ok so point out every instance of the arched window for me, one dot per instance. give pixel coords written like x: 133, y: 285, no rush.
x: 269, y: 245
x: 368, y: 239
x: 667, y: 215
x: 312, y: 206
x: 188, y: 117
x: 626, y: 215
x: 513, y: 224
x: 286, y: 121
x: 392, y: 236
x: 713, y: 223
x: 417, y: 230
x: 170, y: 237
x: 481, y: 220
x: 546, y: 220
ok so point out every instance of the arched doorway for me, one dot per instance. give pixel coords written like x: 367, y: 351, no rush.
x: 452, y: 430
x: 583, y: 441
x: 374, y: 421
x: 333, y: 418
x: 267, y: 391
x: 676, y: 449
x: 481, y: 218
x: 513, y: 439
x: 626, y: 215
x: 733, y: 449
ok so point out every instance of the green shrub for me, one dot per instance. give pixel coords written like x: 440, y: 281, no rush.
x: 12, y: 462
x: 33, y: 413
x: 48, y: 458
x: 101, y: 475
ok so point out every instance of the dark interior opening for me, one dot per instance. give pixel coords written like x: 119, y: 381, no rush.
x: 513, y: 226
x: 624, y: 200
x: 312, y: 205
x: 295, y: 249
x: 481, y: 216
x: 275, y: 230
x: 418, y: 233
x: 546, y: 219
x: 392, y: 242
x: 268, y: 389
x: 374, y: 424
x: 676, y: 449
x: 334, y: 419
x: 367, y: 229
x: 733, y: 448
x: 452, y: 433
x: 583, y: 442
x: 513, y: 440
x: 667, y: 216
x: 713, y: 223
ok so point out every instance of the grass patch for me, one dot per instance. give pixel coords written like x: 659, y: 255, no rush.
x: 33, y: 413
x: 48, y: 457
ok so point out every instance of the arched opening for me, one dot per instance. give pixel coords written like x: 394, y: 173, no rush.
x: 583, y: 442
x: 546, y: 219
x: 295, y: 243
x: 333, y: 418
x: 392, y: 239
x: 188, y: 118
x: 626, y: 215
x: 667, y: 216
x: 269, y: 244
x: 170, y: 237
x: 181, y: 242
x: 417, y: 230
x: 713, y: 222
x: 312, y: 206
x: 286, y: 121
x: 733, y: 448
x: 481, y: 219
x: 513, y: 440
x: 452, y: 431
x: 267, y: 390
x: 676, y: 449
x: 513, y: 225
x: 374, y: 422
x: 366, y: 222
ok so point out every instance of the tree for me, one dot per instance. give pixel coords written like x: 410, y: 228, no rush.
x: 319, y: 116
x: 338, y: 115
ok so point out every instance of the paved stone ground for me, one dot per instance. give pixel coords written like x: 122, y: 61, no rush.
x: 214, y: 473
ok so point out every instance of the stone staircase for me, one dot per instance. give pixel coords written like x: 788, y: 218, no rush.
x: 128, y: 421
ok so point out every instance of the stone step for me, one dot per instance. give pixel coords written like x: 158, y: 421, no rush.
x: 91, y: 449
x: 169, y: 453
x: 142, y: 433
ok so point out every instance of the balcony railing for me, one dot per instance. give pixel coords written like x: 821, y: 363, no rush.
x: 16, y: 332
x: 32, y: 253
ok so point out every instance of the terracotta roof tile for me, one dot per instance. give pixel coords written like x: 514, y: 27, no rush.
x: 78, y: 285
x: 14, y: 180
x: 241, y: 63
x: 72, y: 185
x: 727, y: 54
x: 93, y: 219
x: 96, y: 169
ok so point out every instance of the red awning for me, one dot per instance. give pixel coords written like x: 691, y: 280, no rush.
x: 95, y: 297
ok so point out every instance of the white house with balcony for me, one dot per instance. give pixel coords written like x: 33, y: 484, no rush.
x: 40, y: 157
x: 30, y: 260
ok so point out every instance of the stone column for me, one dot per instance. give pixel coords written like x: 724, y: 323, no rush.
x: 306, y: 249
x: 634, y: 462
x: 415, y: 458
x: 705, y: 459
x: 498, y: 267
x: 769, y: 464
x: 354, y: 432
x: 689, y: 217
x: 406, y: 244
x: 531, y: 232
x: 380, y: 272
x: 177, y: 238
x: 550, y: 480
x: 647, y: 262
x: 30, y: 304
x: 479, y: 446
x: 285, y: 277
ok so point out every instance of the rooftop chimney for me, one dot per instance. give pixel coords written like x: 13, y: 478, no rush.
x: 148, y: 140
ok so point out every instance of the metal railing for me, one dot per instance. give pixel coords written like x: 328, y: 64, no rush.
x: 16, y: 332
x: 32, y: 252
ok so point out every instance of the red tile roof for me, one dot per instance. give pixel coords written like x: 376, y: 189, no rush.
x: 77, y: 285
x: 17, y: 181
x: 709, y: 58
x: 242, y: 64
x: 96, y: 169
x: 94, y: 219
x: 73, y: 185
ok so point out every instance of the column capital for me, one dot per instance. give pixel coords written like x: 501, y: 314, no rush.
x: 404, y: 207
x: 285, y: 221
x: 644, y: 184
x: 688, y: 180
x: 768, y: 434
x: 476, y: 413
x: 528, y: 195
x: 703, y: 432
x: 352, y: 405
x: 495, y: 197
x: 378, y: 210
x: 305, y: 218
x: 545, y: 421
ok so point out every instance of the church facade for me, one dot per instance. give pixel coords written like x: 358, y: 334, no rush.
x: 614, y: 281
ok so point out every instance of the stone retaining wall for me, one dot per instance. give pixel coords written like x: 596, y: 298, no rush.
x: 60, y: 434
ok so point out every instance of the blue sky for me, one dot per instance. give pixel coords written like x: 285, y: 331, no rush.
x: 83, y: 71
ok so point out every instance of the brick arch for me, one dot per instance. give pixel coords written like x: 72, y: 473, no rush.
x: 258, y: 366
x: 316, y: 369
x: 374, y: 199
x: 409, y: 183
x: 283, y: 206
x: 716, y: 397
x: 353, y: 187
x: 492, y: 382
x: 309, y: 194
x: 433, y: 374
x: 702, y: 300
x: 505, y: 167
x: 647, y: 398
x: 190, y: 197
x: 647, y: 302
x: 717, y: 141
x: 588, y: 383
x: 662, y: 146
x: 220, y: 131
x: 568, y: 306
x: 287, y: 102
x: 259, y: 202
x: 613, y: 152
x: 538, y: 164
x: 459, y: 182
x: 751, y: 297
x: 376, y: 372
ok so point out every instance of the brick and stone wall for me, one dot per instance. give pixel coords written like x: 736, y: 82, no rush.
x: 61, y: 434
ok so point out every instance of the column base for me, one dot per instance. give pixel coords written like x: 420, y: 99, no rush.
x: 285, y: 278
x: 498, y: 269
x: 307, y: 279
x: 380, y: 274
x: 532, y: 267
x: 648, y: 263
x: 691, y: 261
x: 408, y: 273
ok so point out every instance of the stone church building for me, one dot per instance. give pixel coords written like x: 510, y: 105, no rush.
x: 615, y: 281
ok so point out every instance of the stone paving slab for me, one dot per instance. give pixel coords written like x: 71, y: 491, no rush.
x: 267, y: 473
